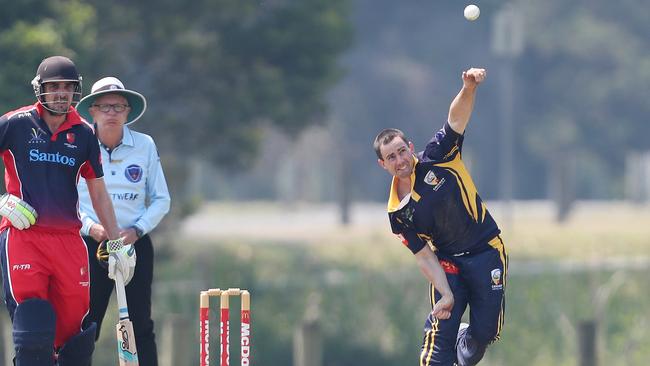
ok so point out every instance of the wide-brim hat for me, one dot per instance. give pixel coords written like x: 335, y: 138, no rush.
x: 112, y: 85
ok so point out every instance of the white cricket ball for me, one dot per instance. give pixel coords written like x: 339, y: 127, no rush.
x: 472, y: 12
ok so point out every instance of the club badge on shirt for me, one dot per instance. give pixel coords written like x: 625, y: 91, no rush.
x: 70, y: 137
x: 431, y: 178
x: 434, y: 181
x: 133, y: 173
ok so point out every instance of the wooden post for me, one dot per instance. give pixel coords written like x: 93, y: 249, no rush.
x: 7, y: 340
x: 174, y: 345
x: 308, y: 344
x: 587, y: 343
x: 308, y: 336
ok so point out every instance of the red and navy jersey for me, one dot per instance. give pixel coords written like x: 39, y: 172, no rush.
x: 443, y: 208
x: 43, y: 168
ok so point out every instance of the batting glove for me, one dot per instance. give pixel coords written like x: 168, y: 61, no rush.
x: 18, y: 212
x: 115, y: 256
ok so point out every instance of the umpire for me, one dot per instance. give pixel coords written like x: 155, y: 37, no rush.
x: 137, y: 187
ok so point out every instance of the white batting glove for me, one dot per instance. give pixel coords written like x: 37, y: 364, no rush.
x: 121, y: 258
x: 18, y: 212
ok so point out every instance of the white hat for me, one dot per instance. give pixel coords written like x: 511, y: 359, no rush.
x: 112, y: 85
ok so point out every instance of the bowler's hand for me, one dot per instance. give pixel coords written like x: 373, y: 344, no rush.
x: 473, y: 77
x: 442, y: 308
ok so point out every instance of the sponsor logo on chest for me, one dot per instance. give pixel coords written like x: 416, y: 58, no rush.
x: 127, y: 196
x: 70, y: 137
x: 432, y: 180
x: 37, y: 155
x: 36, y: 136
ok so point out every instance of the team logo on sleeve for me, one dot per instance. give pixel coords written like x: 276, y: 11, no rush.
x: 37, y: 136
x: 497, y: 281
x: 133, y: 173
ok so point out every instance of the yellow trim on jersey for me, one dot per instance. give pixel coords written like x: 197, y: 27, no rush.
x: 416, y: 197
x: 466, y: 186
x: 463, y: 194
x: 393, y: 197
x: 451, y: 152
x: 425, y: 238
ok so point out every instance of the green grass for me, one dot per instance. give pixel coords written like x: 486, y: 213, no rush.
x: 372, y: 300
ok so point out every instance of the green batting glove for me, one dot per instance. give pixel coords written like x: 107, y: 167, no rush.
x: 18, y: 212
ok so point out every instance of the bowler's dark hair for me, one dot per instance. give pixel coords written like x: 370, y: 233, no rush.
x: 385, y: 137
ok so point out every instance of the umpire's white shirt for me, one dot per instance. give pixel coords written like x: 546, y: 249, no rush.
x: 135, y: 182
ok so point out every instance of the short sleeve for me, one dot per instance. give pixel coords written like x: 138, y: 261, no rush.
x: 92, y: 168
x: 4, y: 128
x: 444, y: 145
x: 406, y: 233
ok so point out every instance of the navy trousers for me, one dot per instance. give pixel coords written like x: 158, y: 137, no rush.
x: 138, y: 297
x: 478, y: 281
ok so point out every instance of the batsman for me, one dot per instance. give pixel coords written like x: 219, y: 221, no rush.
x: 435, y: 210
x: 45, y: 148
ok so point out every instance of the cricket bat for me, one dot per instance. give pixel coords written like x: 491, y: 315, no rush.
x: 126, y: 352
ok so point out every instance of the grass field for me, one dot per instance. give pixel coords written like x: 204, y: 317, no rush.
x: 595, y: 230
x: 371, y: 299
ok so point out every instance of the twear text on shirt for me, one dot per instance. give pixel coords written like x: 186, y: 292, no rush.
x: 128, y: 196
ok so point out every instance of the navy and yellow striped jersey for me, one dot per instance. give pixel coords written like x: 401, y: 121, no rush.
x: 443, y: 208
